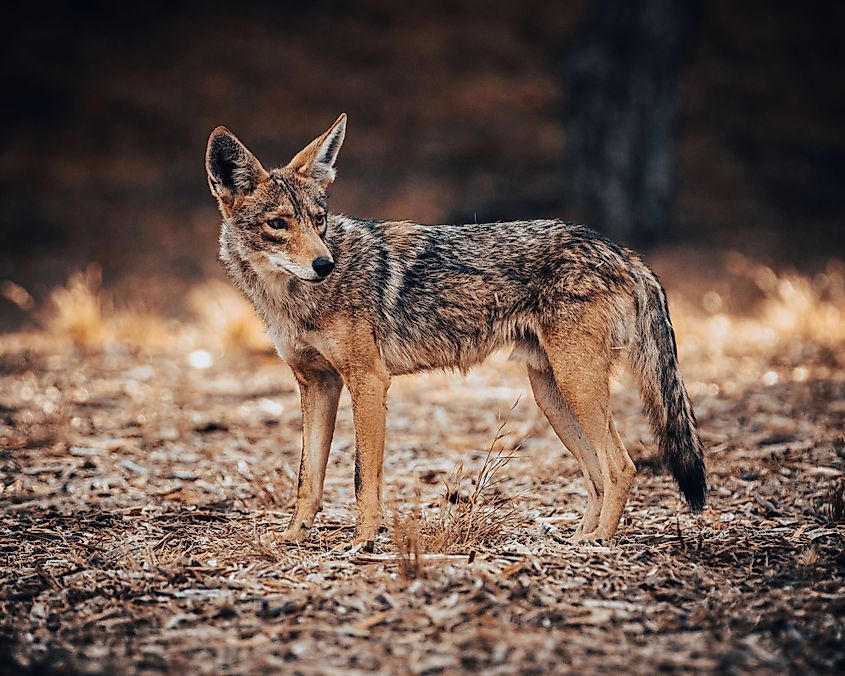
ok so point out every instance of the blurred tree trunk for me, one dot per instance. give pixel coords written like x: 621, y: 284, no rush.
x: 624, y: 71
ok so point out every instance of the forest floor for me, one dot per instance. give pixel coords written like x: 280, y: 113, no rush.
x: 144, y: 468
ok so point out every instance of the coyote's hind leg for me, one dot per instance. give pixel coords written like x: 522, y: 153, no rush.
x: 621, y: 469
x: 581, y: 361
x: 569, y: 431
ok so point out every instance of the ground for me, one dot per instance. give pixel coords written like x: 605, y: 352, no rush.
x: 142, y: 481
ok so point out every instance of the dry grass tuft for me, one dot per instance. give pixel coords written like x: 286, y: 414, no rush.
x: 808, y: 557
x: 803, y: 308
x: 405, y: 534
x: 82, y: 313
x: 481, y: 519
x: 78, y: 311
x: 228, y: 317
x: 834, y: 511
x: 466, y: 520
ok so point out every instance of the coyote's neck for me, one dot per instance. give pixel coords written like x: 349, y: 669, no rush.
x: 281, y: 302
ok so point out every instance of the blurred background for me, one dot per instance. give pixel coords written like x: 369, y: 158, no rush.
x: 687, y: 129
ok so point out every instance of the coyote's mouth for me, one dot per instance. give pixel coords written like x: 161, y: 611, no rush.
x: 279, y: 263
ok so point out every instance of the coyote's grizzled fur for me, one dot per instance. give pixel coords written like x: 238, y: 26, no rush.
x: 353, y: 302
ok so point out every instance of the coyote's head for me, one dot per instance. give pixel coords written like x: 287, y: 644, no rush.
x: 275, y: 221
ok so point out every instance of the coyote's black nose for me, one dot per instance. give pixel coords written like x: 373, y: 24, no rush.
x: 323, y: 266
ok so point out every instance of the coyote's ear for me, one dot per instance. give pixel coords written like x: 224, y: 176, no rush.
x: 316, y: 160
x: 232, y: 169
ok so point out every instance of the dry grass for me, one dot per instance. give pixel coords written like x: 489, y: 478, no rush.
x: 78, y: 311
x: 405, y: 532
x: 835, y: 506
x: 83, y: 314
x: 472, y: 513
x: 470, y: 519
x: 792, y: 311
x: 226, y: 319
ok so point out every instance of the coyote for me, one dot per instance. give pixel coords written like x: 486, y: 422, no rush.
x: 352, y: 302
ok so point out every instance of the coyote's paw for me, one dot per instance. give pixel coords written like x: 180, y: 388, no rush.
x: 363, y: 540
x: 295, y: 534
x: 354, y: 546
x: 365, y: 537
x: 364, y: 543
x: 597, y: 537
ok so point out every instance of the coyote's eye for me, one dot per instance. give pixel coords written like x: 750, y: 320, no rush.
x: 321, y: 224
x: 277, y: 224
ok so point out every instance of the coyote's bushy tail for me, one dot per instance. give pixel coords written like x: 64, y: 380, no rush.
x: 654, y: 358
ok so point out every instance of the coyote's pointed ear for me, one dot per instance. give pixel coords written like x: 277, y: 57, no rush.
x: 316, y: 160
x: 232, y: 169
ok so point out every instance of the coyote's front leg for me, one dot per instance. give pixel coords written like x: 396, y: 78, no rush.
x: 319, y: 389
x: 368, y: 387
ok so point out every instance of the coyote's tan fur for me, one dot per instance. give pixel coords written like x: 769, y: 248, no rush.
x: 353, y: 302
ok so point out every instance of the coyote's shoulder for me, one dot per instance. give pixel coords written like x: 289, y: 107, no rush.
x: 353, y: 302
